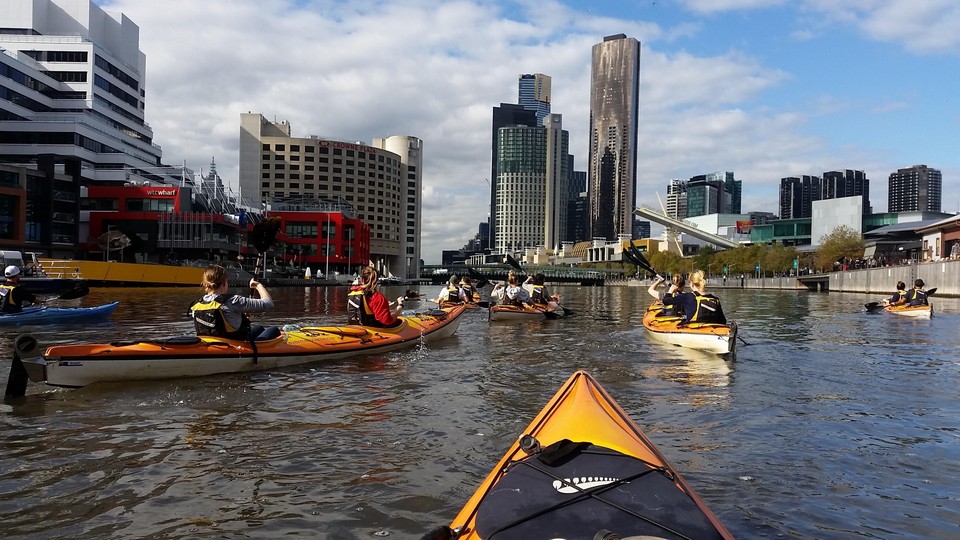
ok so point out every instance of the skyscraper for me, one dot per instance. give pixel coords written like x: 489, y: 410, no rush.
x: 507, y: 114
x: 847, y: 183
x: 531, y: 195
x: 612, y: 163
x: 915, y: 189
x: 534, y: 91
x: 715, y: 193
x: 797, y: 194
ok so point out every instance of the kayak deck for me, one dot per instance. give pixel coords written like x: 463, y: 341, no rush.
x: 583, y: 466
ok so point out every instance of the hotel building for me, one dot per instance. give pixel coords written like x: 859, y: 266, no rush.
x: 381, y: 182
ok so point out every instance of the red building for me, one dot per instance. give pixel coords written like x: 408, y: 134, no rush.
x: 164, y: 224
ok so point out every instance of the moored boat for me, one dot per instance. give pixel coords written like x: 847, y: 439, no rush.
x: 583, y: 469
x: 192, y: 356
x: 919, y: 312
x: 710, y: 337
x: 58, y: 315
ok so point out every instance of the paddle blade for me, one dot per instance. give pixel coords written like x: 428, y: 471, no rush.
x: 513, y: 262
x: 264, y: 233
x: 77, y: 292
x: 931, y: 291
x: 873, y: 307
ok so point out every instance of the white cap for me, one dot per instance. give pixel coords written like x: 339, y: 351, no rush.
x: 12, y: 270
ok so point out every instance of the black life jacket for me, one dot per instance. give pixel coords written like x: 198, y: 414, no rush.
x: 6, y: 299
x: 672, y: 310
x: 358, y: 308
x: 453, y: 295
x: 708, y: 310
x: 537, y: 296
x: 209, y: 320
x: 917, y: 297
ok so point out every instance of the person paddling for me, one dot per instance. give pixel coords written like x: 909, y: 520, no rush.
x: 898, y: 298
x: 220, y: 314
x: 917, y: 296
x: 12, y: 294
x: 698, y: 306
x: 368, y: 306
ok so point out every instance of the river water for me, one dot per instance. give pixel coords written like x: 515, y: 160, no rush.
x: 830, y: 423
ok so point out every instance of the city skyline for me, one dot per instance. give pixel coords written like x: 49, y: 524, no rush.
x: 737, y: 86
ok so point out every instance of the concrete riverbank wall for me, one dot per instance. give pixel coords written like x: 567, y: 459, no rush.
x: 944, y: 275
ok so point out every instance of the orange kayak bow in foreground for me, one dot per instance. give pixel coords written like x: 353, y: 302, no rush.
x: 583, y: 467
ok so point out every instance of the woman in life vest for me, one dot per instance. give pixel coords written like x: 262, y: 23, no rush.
x: 540, y: 297
x: 698, y: 306
x: 12, y: 294
x: 677, y: 282
x: 899, y: 297
x: 917, y: 296
x: 470, y: 294
x: 225, y: 315
x: 368, y: 306
x: 451, y: 294
x: 510, y: 294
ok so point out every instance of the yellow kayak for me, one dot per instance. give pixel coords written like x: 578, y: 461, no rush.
x: 580, y: 468
x: 710, y: 337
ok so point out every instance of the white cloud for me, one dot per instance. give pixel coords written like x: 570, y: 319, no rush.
x: 435, y: 70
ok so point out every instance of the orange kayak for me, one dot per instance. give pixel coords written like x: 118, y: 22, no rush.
x: 193, y: 356
x: 582, y: 467
x: 709, y: 337
x: 919, y: 312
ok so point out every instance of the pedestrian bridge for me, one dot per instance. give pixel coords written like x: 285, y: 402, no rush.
x: 586, y: 277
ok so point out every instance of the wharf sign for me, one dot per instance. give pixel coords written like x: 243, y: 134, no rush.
x: 161, y: 192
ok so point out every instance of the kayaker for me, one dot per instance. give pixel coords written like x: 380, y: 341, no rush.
x: 898, y: 298
x: 917, y: 296
x: 511, y: 294
x: 470, y: 294
x: 12, y: 295
x: 452, y: 294
x: 220, y: 314
x: 698, y: 306
x: 539, y: 295
x: 368, y: 306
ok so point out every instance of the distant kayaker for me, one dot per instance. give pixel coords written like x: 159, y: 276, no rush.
x: 898, y: 298
x: 220, y: 314
x: 698, y: 306
x: 539, y: 295
x: 469, y: 291
x: 12, y: 295
x: 451, y: 293
x: 917, y: 296
x: 368, y: 306
x: 510, y: 294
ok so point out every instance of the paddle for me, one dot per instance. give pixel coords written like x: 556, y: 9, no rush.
x: 263, y: 235
x: 78, y: 291
x: 478, y: 277
x: 513, y: 262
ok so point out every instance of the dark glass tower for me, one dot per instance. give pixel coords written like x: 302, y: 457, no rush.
x: 917, y: 189
x: 612, y: 162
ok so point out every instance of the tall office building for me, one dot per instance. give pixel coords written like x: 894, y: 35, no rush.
x: 531, y: 196
x: 676, y: 203
x: 72, y: 103
x: 915, y: 189
x: 381, y: 182
x: 534, y: 90
x: 715, y: 193
x: 847, y: 183
x: 507, y: 114
x: 797, y: 194
x: 614, y: 107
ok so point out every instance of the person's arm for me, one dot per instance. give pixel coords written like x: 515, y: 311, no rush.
x: 261, y: 290
x: 652, y: 290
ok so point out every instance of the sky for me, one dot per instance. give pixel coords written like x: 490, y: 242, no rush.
x: 763, y: 88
